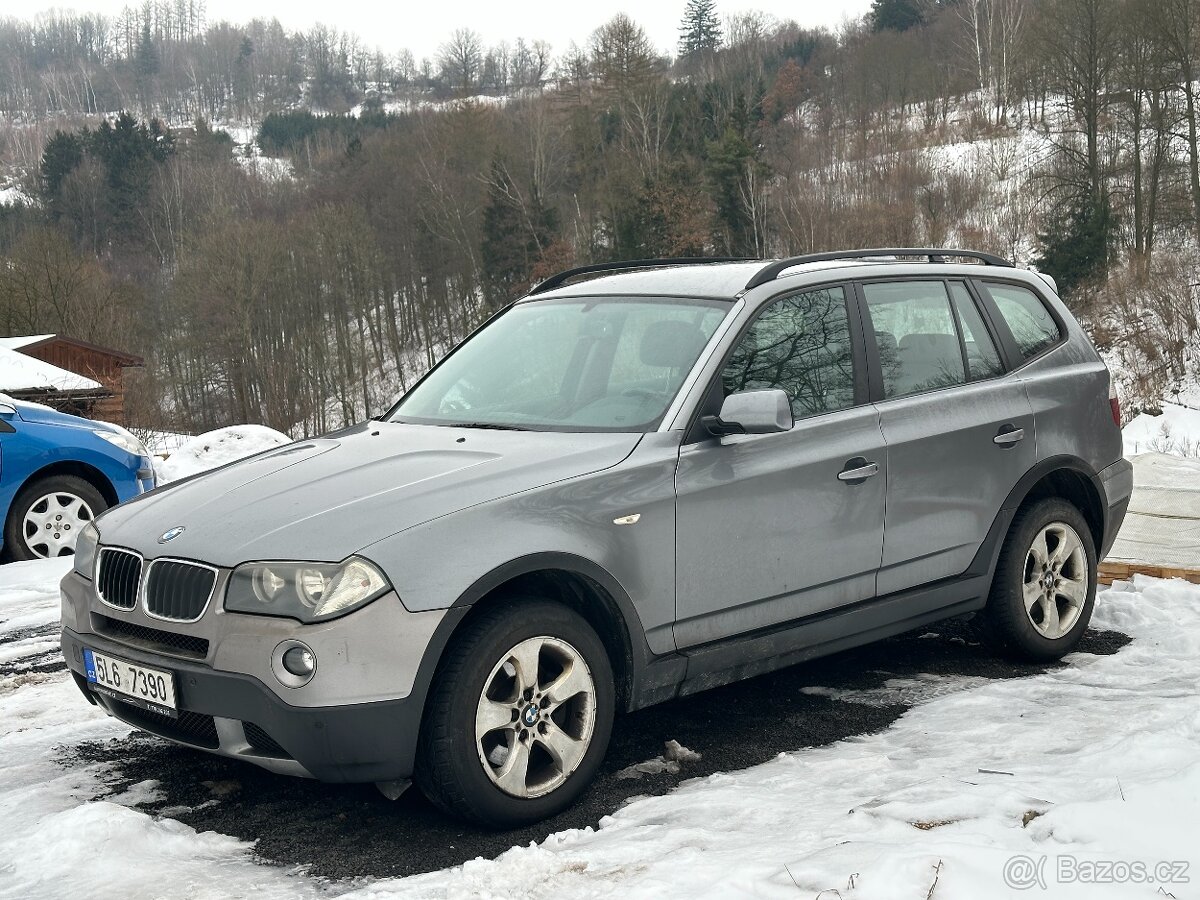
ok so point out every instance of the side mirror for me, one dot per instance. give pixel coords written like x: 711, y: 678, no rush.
x: 752, y: 412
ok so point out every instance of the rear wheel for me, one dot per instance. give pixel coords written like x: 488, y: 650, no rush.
x: 1045, y: 584
x: 519, y: 716
x: 46, y: 517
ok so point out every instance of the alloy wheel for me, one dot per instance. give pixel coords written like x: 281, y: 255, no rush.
x: 1055, y: 585
x: 535, y: 717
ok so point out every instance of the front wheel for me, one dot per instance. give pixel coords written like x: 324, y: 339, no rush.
x: 1045, y: 584
x: 519, y: 716
x: 46, y: 517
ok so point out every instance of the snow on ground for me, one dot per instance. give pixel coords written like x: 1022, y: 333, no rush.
x: 162, y: 443
x: 1005, y: 156
x: 1095, y: 763
x: 29, y: 595
x: 1176, y: 431
x: 57, y: 840
x: 216, y: 448
x: 13, y: 196
x: 268, y: 168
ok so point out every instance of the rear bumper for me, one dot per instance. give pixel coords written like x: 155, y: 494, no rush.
x: 1116, y: 484
x: 351, y: 743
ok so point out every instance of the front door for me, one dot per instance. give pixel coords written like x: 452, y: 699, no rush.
x: 767, y: 530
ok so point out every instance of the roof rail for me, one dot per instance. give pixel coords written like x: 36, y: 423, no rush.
x: 773, y: 270
x: 563, y: 277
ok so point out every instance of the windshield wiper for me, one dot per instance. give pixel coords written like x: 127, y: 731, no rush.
x: 495, y: 426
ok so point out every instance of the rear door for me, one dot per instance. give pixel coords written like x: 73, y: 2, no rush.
x: 959, y: 431
x: 767, y: 531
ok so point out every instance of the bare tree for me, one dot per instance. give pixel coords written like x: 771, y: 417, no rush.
x: 622, y: 55
x: 461, y: 59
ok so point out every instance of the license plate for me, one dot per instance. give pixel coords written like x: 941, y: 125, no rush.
x: 151, y: 689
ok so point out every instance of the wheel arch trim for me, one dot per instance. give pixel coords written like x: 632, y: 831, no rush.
x: 80, y: 469
x: 989, y: 550
x: 648, y: 679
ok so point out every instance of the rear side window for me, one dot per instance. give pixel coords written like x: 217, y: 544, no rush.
x: 1032, y: 326
x: 799, y: 344
x: 916, y: 335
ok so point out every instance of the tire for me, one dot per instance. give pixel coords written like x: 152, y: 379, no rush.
x: 1044, y: 588
x: 465, y: 746
x: 65, y: 501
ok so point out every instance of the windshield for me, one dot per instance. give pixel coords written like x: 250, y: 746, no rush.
x: 610, y: 364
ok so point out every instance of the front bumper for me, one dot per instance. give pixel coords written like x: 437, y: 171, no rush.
x: 355, y: 720
x: 355, y: 742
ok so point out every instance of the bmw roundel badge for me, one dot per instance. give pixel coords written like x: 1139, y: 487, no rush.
x: 170, y: 535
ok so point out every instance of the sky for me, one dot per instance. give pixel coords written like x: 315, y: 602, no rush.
x: 422, y: 27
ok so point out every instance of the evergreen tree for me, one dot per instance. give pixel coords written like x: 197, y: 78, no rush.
x: 146, y: 60
x: 208, y: 144
x: 243, y: 79
x: 1077, y: 246
x: 896, y: 15
x: 516, y: 231
x: 731, y: 159
x: 700, y: 29
x: 63, y: 153
x: 128, y: 150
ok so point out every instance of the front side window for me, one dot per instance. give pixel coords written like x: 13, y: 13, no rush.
x: 801, y: 345
x: 917, y: 337
x: 588, y: 364
x: 1032, y: 326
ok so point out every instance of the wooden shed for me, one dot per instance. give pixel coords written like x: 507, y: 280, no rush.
x: 100, y: 364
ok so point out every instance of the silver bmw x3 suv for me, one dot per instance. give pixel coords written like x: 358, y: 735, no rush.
x: 639, y: 481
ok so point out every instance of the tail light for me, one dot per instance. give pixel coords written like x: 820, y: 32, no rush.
x: 1114, y: 402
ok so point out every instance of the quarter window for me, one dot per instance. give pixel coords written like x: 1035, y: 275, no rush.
x: 915, y: 332
x: 801, y: 345
x: 1032, y: 326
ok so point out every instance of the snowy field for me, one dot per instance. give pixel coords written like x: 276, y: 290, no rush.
x: 1084, y: 777
x: 1176, y: 431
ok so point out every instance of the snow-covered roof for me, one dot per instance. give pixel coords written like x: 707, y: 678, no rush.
x: 19, y: 372
x: 16, y: 343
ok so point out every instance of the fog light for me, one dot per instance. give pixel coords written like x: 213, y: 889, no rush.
x: 293, y: 663
x: 299, y: 661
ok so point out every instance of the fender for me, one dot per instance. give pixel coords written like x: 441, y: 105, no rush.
x: 989, y: 550
x: 652, y: 679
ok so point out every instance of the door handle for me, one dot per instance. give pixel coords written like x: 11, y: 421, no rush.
x: 1008, y: 436
x: 861, y: 472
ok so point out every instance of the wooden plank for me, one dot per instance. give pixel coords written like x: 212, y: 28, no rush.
x: 1111, y: 571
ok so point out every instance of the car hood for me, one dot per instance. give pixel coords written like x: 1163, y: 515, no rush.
x: 36, y: 413
x: 326, y: 498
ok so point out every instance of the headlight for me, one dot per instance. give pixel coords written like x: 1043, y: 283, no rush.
x: 124, y: 441
x: 85, y: 549
x: 310, y: 592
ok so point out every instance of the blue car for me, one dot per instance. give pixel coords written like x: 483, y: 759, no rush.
x: 57, y: 473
